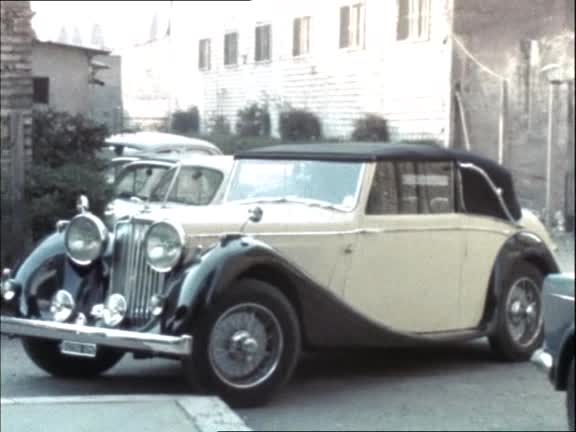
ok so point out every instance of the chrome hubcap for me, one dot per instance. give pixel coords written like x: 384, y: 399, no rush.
x: 245, y: 345
x: 524, y: 311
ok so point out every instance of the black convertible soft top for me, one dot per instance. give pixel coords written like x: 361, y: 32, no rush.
x: 399, y: 151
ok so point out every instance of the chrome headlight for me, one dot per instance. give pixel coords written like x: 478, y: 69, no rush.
x: 62, y: 306
x: 164, y: 246
x: 114, y: 310
x: 85, y: 238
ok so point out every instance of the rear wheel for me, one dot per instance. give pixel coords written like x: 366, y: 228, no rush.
x: 247, y: 346
x: 47, y: 356
x: 519, y: 328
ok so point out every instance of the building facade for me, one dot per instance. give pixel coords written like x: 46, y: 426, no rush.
x: 78, y: 80
x: 463, y: 72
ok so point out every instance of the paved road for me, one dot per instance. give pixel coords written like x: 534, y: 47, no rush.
x: 448, y: 388
x: 457, y: 387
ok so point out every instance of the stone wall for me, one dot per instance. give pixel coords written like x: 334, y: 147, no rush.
x: 16, y: 123
x: 515, y: 39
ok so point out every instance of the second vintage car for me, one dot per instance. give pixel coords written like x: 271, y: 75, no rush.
x: 143, y: 185
x: 314, y: 246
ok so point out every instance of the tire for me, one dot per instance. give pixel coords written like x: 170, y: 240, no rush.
x: 237, y: 321
x: 46, y: 355
x: 503, y: 342
x: 570, y: 397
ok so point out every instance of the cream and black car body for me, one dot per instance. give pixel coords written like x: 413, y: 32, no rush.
x: 314, y: 246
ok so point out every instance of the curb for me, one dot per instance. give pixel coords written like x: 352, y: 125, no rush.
x: 208, y: 414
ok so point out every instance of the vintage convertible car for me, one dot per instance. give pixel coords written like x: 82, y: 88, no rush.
x: 142, y: 185
x: 556, y: 357
x: 314, y: 246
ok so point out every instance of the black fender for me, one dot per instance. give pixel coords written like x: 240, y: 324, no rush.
x: 326, y: 320
x: 49, y: 256
x: 522, y: 246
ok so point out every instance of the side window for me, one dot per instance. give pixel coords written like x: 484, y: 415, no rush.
x: 383, y: 198
x: 426, y: 187
x: 408, y: 188
x: 436, y: 182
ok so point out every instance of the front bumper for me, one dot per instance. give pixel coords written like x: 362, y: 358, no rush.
x: 544, y: 361
x: 180, y: 346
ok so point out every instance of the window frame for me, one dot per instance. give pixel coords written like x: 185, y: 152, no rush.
x: 354, y: 38
x: 41, y: 93
x: 418, y: 24
x: 421, y: 191
x: 301, y: 47
x: 229, y: 59
x: 205, y: 54
x: 259, y: 45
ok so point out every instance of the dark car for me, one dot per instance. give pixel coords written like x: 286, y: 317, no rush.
x: 556, y: 357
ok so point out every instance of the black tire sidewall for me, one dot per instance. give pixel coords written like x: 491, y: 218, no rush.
x: 501, y: 340
x: 46, y: 354
x: 246, y: 291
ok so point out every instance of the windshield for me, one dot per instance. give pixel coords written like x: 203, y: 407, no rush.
x: 194, y: 186
x: 333, y: 183
x: 138, y: 181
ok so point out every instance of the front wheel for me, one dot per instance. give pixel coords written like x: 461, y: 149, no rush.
x: 247, y: 346
x: 519, y: 329
x: 46, y: 355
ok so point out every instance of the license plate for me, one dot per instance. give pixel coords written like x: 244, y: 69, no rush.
x: 78, y: 349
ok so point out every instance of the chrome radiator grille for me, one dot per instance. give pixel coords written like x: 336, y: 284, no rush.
x: 131, y: 275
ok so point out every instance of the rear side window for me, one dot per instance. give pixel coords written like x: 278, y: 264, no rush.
x: 412, y: 188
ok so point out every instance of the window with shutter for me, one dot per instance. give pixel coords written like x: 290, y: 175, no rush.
x: 301, y: 37
x: 231, y: 49
x: 352, y: 26
x: 413, y: 20
x: 263, y: 43
x: 204, y: 54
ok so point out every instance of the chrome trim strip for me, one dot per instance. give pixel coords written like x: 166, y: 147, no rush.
x: 497, y: 191
x: 350, y: 232
x: 131, y: 341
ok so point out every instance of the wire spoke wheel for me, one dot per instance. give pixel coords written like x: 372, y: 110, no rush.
x: 245, y: 345
x: 524, y: 311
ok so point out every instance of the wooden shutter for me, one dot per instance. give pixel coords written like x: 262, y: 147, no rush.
x: 403, y: 25
x: 344, y: 26
x: 296, y: 37
x: 258, y: 47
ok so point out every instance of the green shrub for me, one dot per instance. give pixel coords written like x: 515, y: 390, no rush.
x: 300, y: 125
x: 65, y: 165
x: 253, y: 121
x: 219, y: 125
x: 186, y: 121
x: 371, y: 127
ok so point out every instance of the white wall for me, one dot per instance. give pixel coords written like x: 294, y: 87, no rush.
x: 406, y: 82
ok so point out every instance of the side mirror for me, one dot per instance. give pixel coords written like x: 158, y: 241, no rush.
x: 82, y: 204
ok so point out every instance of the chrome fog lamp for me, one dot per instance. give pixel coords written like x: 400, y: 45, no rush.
x: 155, y: 305
x: 164, y: 246
x: 85, y: 238
x: 62, y: 306
x: 8, y: 289
x: 114, y: 310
